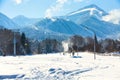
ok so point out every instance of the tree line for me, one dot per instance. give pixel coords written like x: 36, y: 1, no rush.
x: 10, y: 40
x: 76, y: 43
x: 79, y: 43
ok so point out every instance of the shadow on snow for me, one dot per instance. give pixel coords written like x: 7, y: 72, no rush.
x: 15, y: 76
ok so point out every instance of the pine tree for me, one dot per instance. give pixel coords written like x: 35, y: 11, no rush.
x: 26, y: 44
x: 96, y: 44
x: 23, y: 40
x: 23, y: 43
x: 96, y: 39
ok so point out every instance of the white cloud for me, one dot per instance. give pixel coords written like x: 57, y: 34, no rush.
x: 78, y: 0
x: 61, y: 1
x: 54, y: 9
x: 18, y: 1
x: 113, y: 17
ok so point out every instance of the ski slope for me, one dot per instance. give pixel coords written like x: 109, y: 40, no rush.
x: 60, y: 67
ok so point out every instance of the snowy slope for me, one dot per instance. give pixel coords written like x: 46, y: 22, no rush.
x: 101, y: 28
x: 7, y: 22
x: 92, y: 9
x: 85, y: 13
x: 24, y: 21
x: 62, y: 26
x: 59, y: 67
x: 39, y: 33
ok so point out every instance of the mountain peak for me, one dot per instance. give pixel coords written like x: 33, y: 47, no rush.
x: 22, y: 17
x: 92, y: 6
x: 90, y: 9
x: 25, y: 21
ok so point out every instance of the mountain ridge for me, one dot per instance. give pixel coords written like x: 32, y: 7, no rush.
x: 68, y: 25
x: 25, y: 21
x: 6, y: 22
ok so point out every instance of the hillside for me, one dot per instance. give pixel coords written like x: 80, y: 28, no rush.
x: 25, y: 21
x: 6, y: 22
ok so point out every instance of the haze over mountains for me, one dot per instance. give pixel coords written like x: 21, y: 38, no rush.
x: 81, y: 22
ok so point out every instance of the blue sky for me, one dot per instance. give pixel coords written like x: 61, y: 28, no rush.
x: 48, y: 8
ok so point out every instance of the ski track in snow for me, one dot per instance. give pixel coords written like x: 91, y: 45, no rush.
x: 59, y: 67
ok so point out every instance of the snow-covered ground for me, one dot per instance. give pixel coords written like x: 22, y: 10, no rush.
x: 59, y: 67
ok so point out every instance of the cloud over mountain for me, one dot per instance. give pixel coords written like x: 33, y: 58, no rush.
x: 58, y: 7
x: 113, y: 17
x: 55, y: 8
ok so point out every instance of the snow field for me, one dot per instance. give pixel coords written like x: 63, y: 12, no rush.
x: 60, y: 67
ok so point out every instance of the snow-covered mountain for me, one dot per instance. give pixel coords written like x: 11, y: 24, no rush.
x: 24, y: 21
x: 39, y: 33
x: 81, y: 22
x: 7, y: 22
x: 62, y: 26
x: 101, y: 28
x: 56, y: 28
x: 85, y: 13
x: 91, y: 17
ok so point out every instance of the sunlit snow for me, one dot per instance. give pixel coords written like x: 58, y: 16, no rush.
x: 60, y: 67
x: 88, y: 9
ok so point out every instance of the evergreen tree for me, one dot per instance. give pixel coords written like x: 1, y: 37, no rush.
x: 23, y: 40
x: 26, y: 44
x: 96, y: 39
x: 96, y: 44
